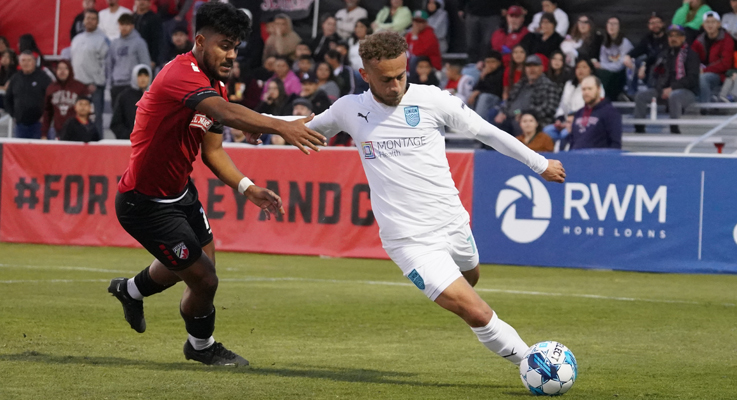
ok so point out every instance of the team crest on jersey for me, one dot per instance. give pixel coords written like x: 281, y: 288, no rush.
x: 412, y: 115
x: 368, y: 150
x: 181, y: 251
x: 201, y: 121
x: 415, y: 277
x: 194, y: 68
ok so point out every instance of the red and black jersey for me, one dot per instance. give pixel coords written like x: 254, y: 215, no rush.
x: 168, y: 130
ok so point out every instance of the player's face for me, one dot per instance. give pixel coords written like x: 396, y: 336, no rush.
x: 62, y: 72
x: 219, y: 53
x: 387, y: 79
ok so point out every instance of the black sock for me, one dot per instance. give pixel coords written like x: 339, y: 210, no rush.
x: 200, y: 327
x: 146, y: 285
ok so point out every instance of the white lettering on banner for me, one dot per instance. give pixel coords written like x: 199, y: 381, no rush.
x: 611, y: 198
x: 659, y: 199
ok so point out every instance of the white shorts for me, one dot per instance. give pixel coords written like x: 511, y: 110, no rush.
x: 434, y: 260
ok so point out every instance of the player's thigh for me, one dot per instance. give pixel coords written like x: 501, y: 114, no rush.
x: 200, y: 225
x: 163, y: 229
x: 429, y: 266
x: 463, y: 246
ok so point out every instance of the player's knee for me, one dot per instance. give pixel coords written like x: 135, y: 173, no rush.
x: 478, y: 316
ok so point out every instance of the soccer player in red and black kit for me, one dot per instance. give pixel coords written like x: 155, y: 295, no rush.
x: 157, y: 203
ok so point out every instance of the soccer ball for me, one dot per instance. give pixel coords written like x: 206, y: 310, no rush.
x: 548, y: 369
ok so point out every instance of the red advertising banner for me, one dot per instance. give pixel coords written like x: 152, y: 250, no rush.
x: 59, y: 193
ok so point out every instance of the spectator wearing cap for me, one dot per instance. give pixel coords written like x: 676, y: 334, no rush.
x: 24, y: 98
x: 677, y: 79
x: 393, y: 17
x: 534, y: 92
x: 302, y: 106
x: 127, y: 51
x: 424, y: 73
x: 598, y: 125
x: 124, y: 112
x: 79, y: 128
x: 289, y: 79
x: 347, y: 17
x: 610, y: 66
x: 507, y: 37
x: 546, y: 41
x: 282, y: 39
x: 180, y: 43
x: 715, y: 48
x: 487, y: 93
x: 310, y: 91
x: 438, y: 21
x: 729, y: 20
x: 691, y: 16
x: 422, y: 41
x: 551, y: 6
x: 644, y: 55
x: 481, y: 18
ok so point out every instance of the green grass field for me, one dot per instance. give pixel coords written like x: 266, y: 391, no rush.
x: 355, y: 329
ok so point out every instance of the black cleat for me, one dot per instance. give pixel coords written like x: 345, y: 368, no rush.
x: 216, y: 354
x: 132, y: 308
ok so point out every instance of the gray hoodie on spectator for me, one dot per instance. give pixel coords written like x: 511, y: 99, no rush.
x: 89, y: 50
x: 439, y: 23
x: 125, y: 53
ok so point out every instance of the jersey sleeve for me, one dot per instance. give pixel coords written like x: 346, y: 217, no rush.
x: 327, y: 122
x: 186, y: 83
x: 455, y: 114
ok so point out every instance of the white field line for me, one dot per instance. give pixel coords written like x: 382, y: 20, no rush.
x: 359, y: 282
x: 59, y: 267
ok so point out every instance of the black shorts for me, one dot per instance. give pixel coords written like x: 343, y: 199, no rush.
x: 173, y: 231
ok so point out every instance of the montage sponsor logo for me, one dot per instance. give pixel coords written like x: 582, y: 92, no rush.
x: 412, y: 115
x: 580, y: 215
x: 524, y: 230
x: 391, y: 147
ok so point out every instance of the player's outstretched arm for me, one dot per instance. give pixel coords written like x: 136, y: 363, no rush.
x: 294, y: 132
x: 550, y: 170
x: 219, y: 162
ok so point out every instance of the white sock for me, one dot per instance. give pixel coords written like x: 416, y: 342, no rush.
x: 499, y: 337
x: 200, y: 344
x: 133, y: 290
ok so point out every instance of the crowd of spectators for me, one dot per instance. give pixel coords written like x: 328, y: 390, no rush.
x: 547, y: 78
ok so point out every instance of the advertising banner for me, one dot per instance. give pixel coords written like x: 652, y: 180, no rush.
x: 65, y: 194
x: 615, y: 211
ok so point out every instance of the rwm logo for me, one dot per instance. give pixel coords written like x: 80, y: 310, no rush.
x: 630, y: 211
x: 578, y: 205
x: 368, y: 150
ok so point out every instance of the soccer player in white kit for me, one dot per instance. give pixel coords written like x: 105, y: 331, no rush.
x: 423, y: 226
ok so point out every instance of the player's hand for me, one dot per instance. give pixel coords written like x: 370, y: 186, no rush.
x: 555, y: 172
x: 298, y: 134
x: 253, y: 138
x: 268, y: 201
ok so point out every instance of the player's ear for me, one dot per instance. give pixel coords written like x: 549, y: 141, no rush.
x: 199, y: 40
x: 364, y: 74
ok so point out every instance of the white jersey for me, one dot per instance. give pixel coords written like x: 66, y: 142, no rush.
x: 403, y: 154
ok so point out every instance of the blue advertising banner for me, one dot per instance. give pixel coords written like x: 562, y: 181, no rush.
x: 615, y: 211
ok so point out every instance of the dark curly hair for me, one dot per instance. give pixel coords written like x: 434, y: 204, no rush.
x: 385, y: 45
x: 225, y: 19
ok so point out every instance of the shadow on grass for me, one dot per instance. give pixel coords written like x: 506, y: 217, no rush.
x: 294, y: 371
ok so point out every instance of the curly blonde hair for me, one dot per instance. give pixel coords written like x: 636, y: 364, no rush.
x: 382, y: 46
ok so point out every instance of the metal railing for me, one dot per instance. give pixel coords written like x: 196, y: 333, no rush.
x: 710, y: 133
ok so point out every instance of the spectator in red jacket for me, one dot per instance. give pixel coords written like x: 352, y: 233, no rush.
x: 422, y: 41
x: 715, y: 48
x: 60, y: 99
x: 505, y: 38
